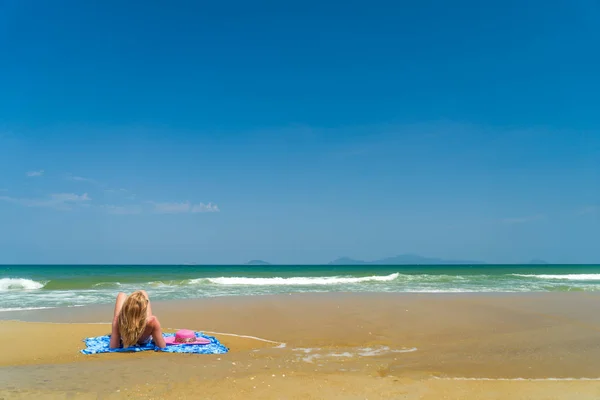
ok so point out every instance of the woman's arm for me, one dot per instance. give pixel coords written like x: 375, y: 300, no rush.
x: 115, y: 336
x: 157, y: 335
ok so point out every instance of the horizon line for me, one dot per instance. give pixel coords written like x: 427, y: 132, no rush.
x: 291, y: 264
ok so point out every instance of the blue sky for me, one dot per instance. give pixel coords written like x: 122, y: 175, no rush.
x: 141, y: 132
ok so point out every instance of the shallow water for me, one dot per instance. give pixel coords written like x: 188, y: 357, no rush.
x: 39, y: 286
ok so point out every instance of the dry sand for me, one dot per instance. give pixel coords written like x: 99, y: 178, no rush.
x: 323, y: 346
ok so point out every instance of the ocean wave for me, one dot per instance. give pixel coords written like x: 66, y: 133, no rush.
x: 23, y: 308
x: 569, y: 277
x: 295, y: 281
x: 435, y: 278
x: 107, y: 285
x: 19, y: 284
x: 29, y: 308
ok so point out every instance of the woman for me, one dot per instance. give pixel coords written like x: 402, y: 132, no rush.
x: 133, y: 322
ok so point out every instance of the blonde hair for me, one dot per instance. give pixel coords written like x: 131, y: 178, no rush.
x: 132, y: 318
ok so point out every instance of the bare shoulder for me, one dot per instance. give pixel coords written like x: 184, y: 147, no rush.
x: 153, y: 321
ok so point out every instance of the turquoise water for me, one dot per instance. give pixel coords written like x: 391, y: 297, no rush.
x: 47, y: 286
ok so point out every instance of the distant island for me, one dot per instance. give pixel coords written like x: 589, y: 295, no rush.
x: 257, y: 262
x: 405, y: 259
x: 538, y: 262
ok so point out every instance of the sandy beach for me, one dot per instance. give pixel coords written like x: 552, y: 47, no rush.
x: 322, y: 346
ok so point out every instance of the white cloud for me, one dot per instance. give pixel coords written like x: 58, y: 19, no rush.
x: 101, y: 186
x: 589, y: 210
x: 202, y: 208
x: 82, y: 179
x: 185, y: 207
x: 59, y: 201
x: 171, y: 208
x: 112, y: 190
x: 33, y: 174
x: 522, y: 220
x: 122, y: 210
x: 9, y: 199
x: 79, y: 179
x: 69, y: 197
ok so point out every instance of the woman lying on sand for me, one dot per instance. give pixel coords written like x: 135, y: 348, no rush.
x: 133, y: 322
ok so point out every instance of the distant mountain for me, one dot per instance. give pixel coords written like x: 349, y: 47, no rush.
x: 413, y: 259
x: 404, y: 259
x: 257, y: 262
x: 347, y: 261
x: 538, y: 262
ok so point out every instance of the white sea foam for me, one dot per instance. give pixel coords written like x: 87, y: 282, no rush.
x: 568, y: 277
x: 310, y: 358
x: 19, y: 284
x: 106, y: 284
x: 515, y: 379
x: 296, y: 281
x: 23, y: 309
x: 306, y: 350
x: 311, y: 354
x: 377, y: 351
x: 344, y: 354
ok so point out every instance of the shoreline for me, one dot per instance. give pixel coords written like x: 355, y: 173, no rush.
x: 80, y: 312
x: 456, y: 342
x: 29, y: 287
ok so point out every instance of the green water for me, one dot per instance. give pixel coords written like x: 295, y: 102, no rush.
x: 38, y: 286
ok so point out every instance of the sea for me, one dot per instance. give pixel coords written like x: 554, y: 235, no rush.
x: 26, y: 287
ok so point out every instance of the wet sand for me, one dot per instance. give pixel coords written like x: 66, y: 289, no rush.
x: 323, y: 346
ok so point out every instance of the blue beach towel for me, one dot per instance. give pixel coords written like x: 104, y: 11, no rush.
x: 100, y: 344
